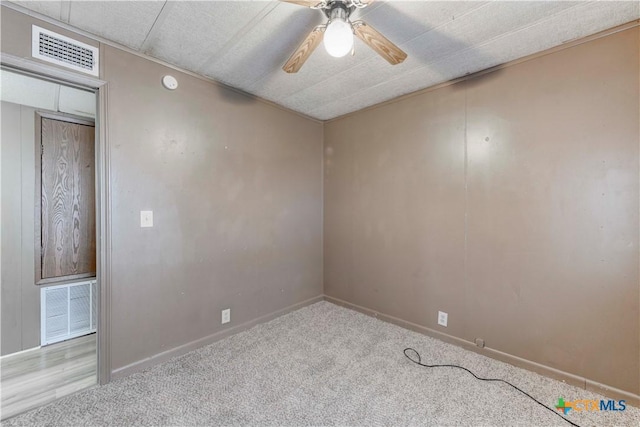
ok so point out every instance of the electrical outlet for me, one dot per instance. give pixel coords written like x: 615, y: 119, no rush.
x: 442, y: 318
x: 146, y: 218
x: 226, y: 316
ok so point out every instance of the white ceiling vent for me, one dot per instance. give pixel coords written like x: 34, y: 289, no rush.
x: 64, y: 51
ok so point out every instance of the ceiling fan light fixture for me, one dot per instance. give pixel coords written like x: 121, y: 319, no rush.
x: 338, y: 34
x: 338, y: 38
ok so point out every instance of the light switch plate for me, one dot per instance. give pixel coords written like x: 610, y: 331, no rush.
x: 146, y: 218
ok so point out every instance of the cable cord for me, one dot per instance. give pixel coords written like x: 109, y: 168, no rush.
x: 419, y: 362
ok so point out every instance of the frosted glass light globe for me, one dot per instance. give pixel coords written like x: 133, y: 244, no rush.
x: 338, y: 38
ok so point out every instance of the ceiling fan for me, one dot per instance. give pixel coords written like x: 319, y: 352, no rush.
x: 338, y: 34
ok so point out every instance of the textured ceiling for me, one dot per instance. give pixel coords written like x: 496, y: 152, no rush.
x: 245, y: 43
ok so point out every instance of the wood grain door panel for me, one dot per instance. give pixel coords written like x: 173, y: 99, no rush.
x: 67, y: 234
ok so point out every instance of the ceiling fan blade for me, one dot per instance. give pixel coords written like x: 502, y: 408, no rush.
x: 376, y: 41
x: 305, y: 3
x: 298, y: 58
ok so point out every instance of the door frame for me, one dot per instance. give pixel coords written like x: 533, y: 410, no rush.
x: 52, y: 73
x: 67, y: 118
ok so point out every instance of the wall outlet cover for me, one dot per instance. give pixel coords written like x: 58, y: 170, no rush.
x: 442, y: 318
x: 226, y: 316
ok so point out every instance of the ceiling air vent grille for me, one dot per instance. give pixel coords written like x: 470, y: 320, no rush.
x: 64, y: 51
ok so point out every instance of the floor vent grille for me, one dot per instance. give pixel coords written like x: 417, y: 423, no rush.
x: 64, y: 51
x: 67, y: 311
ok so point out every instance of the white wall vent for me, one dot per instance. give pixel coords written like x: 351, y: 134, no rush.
x: 64, y: 51
x: 67, y: 311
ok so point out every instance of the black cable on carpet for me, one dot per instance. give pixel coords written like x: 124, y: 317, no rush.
x: 419, y: 362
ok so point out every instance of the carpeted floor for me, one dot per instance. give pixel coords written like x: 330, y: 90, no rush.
x: 322, y: 365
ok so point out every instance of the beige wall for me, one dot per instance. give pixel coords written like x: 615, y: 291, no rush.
x: 235, y: 187
x: 509, y: 201
x: 236, y: 190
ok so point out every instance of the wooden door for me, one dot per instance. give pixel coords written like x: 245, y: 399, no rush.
x: 67, y: 200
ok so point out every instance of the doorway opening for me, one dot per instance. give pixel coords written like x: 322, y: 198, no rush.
x: 50, y: 298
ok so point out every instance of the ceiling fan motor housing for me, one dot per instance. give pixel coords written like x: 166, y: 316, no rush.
x: 338, y: 10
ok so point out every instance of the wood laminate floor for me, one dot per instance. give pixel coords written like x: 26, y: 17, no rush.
x: 36, y: 377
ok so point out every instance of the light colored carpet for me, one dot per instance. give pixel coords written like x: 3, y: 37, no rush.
x: 322, y: 365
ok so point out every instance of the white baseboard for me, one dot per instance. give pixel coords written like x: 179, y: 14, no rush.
x: 20, y: 352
